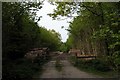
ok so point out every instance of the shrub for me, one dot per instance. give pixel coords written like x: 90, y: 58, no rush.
x: 20, y: 69
x: 96, y: 64
x: 100, y: 65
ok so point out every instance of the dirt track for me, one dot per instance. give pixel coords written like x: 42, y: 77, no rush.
x: 68, y: 71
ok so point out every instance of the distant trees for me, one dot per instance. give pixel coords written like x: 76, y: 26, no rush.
x: 63, y: 47
x: 50, y: 38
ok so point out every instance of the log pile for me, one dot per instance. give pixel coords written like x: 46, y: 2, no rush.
x: 37, y: 53
x: 81, y: 54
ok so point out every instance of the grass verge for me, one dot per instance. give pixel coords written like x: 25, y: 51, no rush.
x: 95, y: 67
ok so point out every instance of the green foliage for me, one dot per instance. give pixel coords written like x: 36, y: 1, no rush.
x: 19, y: 31
x: 50, y: 38
x: 63, y: 47
x: 20, y: 34
x: 69, y: 42
x: 95, y: 29
x: 95, y: 64
x: 20, y: 69
x: 114, y: 61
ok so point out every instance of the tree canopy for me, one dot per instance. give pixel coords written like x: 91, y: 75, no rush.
x: 95, y: 29
x: 21, y: 32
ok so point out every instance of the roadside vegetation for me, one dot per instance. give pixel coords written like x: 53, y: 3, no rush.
x: 94, y: 66
x: 95, y: 29
x: 20, y: 34
x: 21, y: 69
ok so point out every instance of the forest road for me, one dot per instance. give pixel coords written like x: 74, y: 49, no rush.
x: 68, y: 71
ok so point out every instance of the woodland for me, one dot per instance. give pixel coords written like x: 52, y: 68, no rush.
x: 94, y: 30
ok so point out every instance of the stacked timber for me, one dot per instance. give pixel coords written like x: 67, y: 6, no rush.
x: 37, y: 53
x: 80, y: 54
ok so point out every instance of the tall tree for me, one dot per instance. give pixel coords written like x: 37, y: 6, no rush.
x: 96, y: 29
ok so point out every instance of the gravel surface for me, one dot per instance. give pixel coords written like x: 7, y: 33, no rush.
x: 68, y: 71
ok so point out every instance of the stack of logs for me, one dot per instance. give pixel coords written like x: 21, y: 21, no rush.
x: 37, y: 53
x: 80, y: 54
